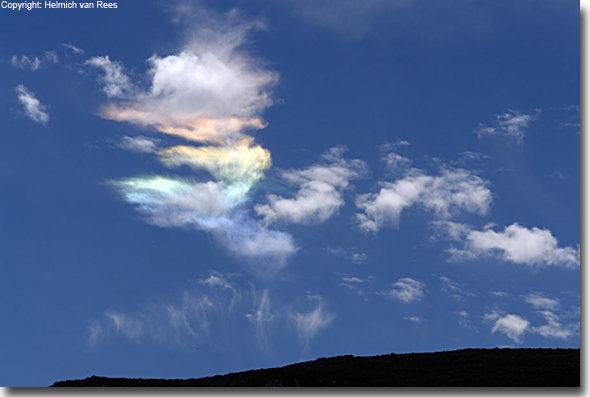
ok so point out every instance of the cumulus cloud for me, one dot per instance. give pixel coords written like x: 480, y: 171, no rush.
x: 210, y: 91
x: 34, y: 63
x: 116, y: 84
x: 32, y: 107
x: 513, y: 326
x: 320, y: 190
x: 311, y: 323
x: 511, y: 125
x: 534, y: 248
x: 406, y: 290
x: 138, y: 144
x: 452, y: 191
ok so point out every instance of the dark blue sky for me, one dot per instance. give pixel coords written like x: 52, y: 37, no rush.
x: 193, y: 189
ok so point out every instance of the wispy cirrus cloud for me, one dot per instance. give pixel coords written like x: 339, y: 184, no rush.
x: 73, y: 48
x: 175, y: 323
x: 34, y: 63
x: 32, y: 107
x: 311, y: 323
x: 452, y: 288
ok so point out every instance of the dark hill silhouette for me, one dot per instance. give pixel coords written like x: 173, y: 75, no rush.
x: 468, y: 367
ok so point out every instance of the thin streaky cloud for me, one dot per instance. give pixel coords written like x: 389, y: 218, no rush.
x: 34, y: 63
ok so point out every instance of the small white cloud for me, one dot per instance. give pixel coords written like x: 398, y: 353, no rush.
x: 539, y: 301
x: 533, y: 248
x: 500, y: 294
x: 216, y: 281
x: 414, y: 319
x: 511, y: 125
x: 34, y: 63
x: 73, y: 48
x: 32, y: 107
x: 115, y: 81
x: 406, y: 290
x: 320, y: 191
x: 138, y: 144
x: 359, y: 259
x: 557, y: 175
x: 512, y: 326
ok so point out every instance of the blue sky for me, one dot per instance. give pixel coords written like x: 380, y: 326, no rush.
x: 192, y: 189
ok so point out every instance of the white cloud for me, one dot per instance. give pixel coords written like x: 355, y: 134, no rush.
x: 138, y: 144
x: 309, y: 324
x: 178, y: 324
x: 464, y: 320
x: 73, y: 48
x: 539, y: 301
x: 534, y: 247
x: 358, y: 258
x: 452, y: 191
x: 511, y: 325
x: 554, y: 328
x: 131, y: 328
x: 32, y: 107
x: 34, y: 63
x: 444, y: 229
x: 261, y: 318
x: 511, y: 125
x: 414, y: 319
x: 216, y: 281
x: 406, y: 290
x: 500, y: 294
x: 396, y: 163
x: 320, y: 191
x: 468, y: 157
x: 210, y: 91
x: 452, y: 288
x: 115, y: 81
